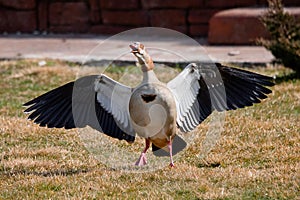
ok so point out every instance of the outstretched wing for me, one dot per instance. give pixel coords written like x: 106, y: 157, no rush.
x: 114, y: 98
x: 76, y: 105
x: 185, y: 88
x: 198, y: 90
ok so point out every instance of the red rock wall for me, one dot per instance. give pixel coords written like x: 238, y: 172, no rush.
x: 112, y: 16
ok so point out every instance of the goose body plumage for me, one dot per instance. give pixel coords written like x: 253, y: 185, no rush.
x: 153, y: 110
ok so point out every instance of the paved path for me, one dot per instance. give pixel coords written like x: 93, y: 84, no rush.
x: 87, y: 48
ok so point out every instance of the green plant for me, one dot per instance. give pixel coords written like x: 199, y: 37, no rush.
x: 284, y: 42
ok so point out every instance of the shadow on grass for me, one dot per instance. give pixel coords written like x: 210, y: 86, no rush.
x: 288, y: 77
x: 66, y: 172
x: 209, y: 165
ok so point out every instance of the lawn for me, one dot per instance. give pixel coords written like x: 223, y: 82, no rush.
x: 256, y: 157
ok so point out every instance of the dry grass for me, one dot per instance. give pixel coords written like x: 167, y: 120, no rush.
x: 257, y: 156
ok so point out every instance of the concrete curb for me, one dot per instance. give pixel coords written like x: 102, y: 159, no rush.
x: 75, y: 48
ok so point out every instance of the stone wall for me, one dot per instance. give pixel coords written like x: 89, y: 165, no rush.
x: 112, y: 16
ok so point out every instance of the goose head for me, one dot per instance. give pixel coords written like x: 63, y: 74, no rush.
x: 144, y: 59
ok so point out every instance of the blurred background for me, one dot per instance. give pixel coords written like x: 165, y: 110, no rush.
x: 223, y: 22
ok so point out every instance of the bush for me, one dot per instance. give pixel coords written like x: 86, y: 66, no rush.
x: 285, y: 35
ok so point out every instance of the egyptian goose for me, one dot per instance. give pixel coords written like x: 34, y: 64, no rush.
x: 152, y: 110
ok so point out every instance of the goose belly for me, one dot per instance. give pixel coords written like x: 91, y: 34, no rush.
x: 152, y: 111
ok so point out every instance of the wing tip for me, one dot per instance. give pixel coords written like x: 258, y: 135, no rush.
x: 29, y: 103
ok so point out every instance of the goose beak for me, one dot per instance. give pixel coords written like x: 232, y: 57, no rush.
x: 138, y: 50
x: 134, y: 47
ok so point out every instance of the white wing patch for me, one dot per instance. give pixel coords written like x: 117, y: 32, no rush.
x: 185, y: 89
x: 114, y: 98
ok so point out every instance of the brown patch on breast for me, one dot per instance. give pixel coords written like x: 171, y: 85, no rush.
x: 148, y: 97
x: 159, y: 142
x: 162, y: 139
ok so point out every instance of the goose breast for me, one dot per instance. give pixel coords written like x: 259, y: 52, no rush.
x: 152, y: 111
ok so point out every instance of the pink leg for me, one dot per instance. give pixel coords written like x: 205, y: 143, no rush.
x: 143, y: 160
x: 171, y: 156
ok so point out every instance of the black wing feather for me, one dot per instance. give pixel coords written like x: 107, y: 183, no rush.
x: 228, y: 89
x: 74, y: 105
x: 243, y: 88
